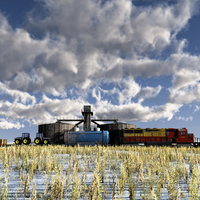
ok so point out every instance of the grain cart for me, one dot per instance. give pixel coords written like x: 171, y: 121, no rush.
x: 25, y: 139
x: 40, y: 139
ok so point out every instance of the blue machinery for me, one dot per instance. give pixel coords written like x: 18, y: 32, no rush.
x: 86, y: 137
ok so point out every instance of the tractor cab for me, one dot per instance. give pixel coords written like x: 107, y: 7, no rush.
x: 40, y: 139
x: 24, y: 139
x: 39, y: 135
x: 25, y: 135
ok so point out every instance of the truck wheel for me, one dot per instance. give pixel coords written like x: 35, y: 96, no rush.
x: 25, y: 141
x: 46, y: 142
x: 17, y: 142
x: 37, y: 141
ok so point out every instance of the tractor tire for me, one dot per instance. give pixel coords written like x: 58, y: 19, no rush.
x: 25, y: 141
x: 46, y: 142
x: 17, y: 142
x: 37, y: 141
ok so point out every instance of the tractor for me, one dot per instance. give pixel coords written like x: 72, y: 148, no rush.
x: 25, y: 139
x: 40, y: 139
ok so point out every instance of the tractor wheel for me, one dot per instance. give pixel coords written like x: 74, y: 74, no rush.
x: 17, y: 142
x: 46, y: 142
x: 37, y: 141
x: 25, y: 141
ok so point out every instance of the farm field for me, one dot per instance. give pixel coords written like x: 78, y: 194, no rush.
x: 123, y: 172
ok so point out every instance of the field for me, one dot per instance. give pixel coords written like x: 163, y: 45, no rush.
x: 124, y: 172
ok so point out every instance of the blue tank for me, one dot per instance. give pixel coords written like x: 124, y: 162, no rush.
x: 86, y: 137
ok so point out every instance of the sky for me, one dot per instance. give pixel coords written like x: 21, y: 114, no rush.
x: 134, y: 60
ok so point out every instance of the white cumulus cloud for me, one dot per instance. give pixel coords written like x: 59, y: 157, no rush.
x: 69, y: 50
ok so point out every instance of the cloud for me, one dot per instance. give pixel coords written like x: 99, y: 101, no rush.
x: 149, y: 92
x: 186, y: 95
x: 69, y: 49
x: 17, y: 95
x: 116, y: 38
x: 131, y: 89
x: 185, y: 77
x: 18, y: 50
x: 114, y: 26
x: 186, y: 86
x: 190, y: 118
x: 45, y: 111
x: 197, y: 108
x: 136, y: 111
x: 125, y: 92
x: 83, y: 42
x: 5, y: 124
x: 48, y: 110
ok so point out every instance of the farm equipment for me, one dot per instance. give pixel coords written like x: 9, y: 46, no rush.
x: 40, y: 139
x: 3, y: 142
x: 25, y: 139
x: 86, y: 137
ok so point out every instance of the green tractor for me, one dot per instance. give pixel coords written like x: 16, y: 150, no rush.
x: 25, y: 139
x: 40, y: 139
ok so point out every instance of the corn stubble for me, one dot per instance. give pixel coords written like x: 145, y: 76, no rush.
x: 100, y: 172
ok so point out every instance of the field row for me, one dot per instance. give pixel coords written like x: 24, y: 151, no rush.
x: 125, y: 172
